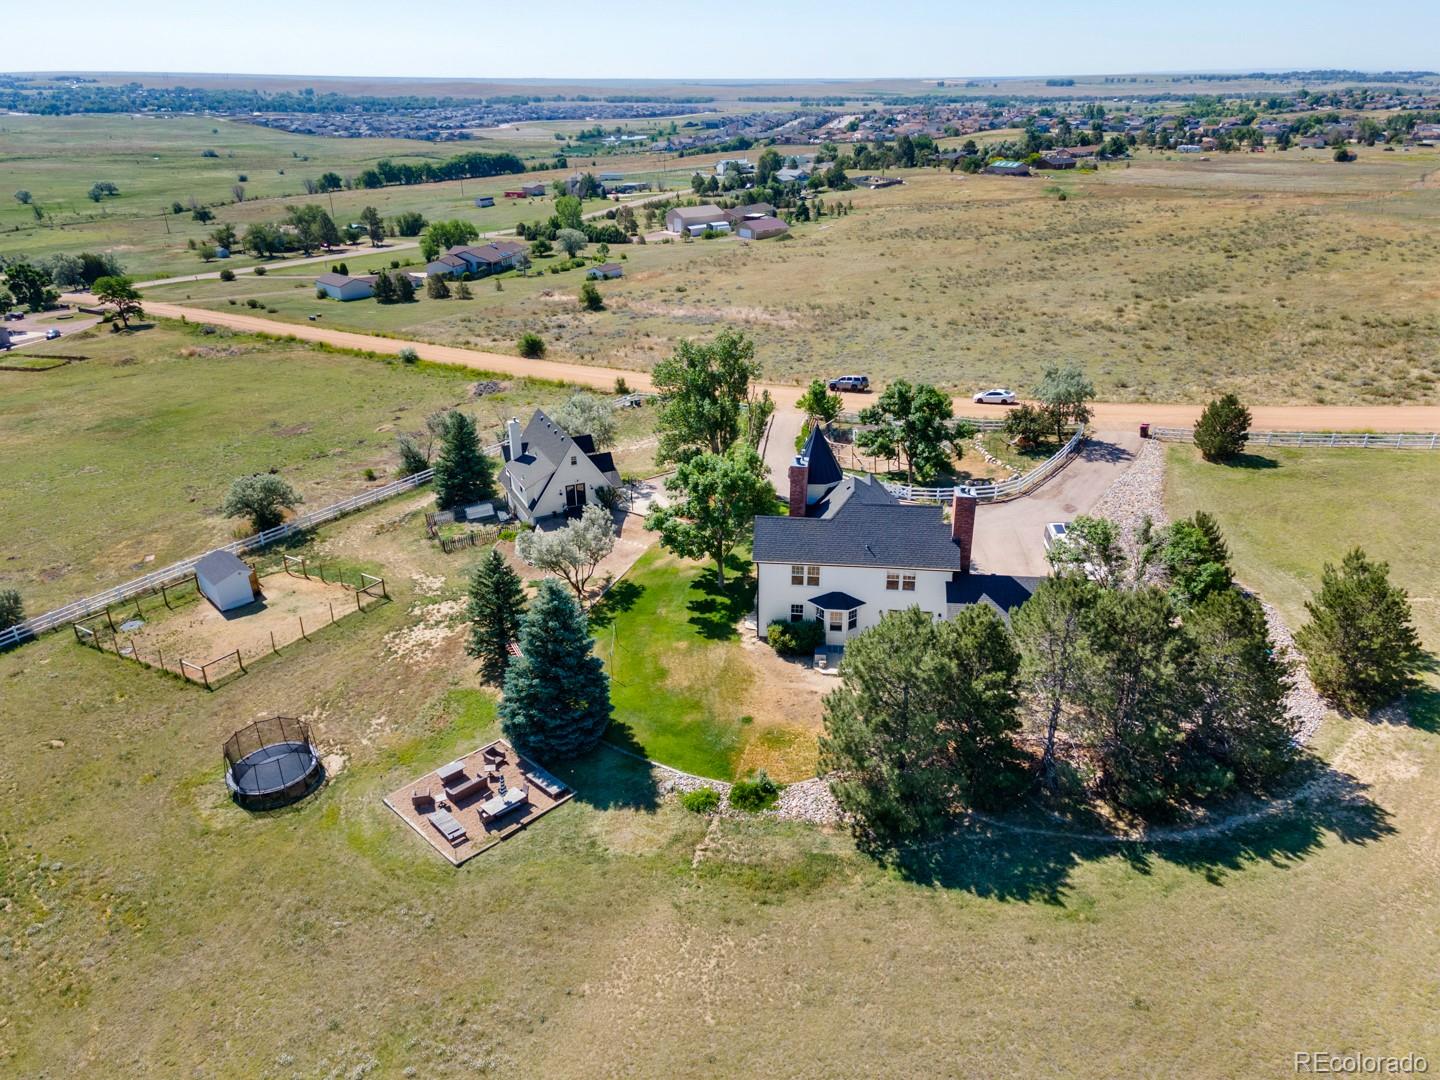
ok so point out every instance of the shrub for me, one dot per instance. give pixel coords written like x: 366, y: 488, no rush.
x: 755, y: 794
x: 227, y: 274
x: 233, y: 302
x: 622, y: 388
x: 320, y: 294
x: 1220, y: 432
x: 705, y: 800
x: 260, y: 271
x: 590, y: 298
x: 253, y: 303
x: 531, y: 345
x: 369, y: 474
x: 795, y: 638
x: 409, y: 356
x: 12, y: 611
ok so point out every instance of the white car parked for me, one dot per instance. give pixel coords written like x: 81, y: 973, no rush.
x: 995, y: 397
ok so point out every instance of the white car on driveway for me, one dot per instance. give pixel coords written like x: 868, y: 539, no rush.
x: 995, y: 397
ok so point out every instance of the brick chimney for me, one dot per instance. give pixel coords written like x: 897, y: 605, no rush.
x: 799, y: 486
x: 962, y: 527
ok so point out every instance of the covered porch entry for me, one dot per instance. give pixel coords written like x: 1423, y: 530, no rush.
x: 839, y: 613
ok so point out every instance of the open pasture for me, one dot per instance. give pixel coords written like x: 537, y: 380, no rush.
x: 118, y: 464
x: 1288, y: 278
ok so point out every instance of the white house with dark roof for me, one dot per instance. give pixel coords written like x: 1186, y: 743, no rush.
x: 549, y: 472
x: 849, y: 553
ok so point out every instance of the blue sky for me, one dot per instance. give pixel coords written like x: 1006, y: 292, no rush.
x: 733, y: 38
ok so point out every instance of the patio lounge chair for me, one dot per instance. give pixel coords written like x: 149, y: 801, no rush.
x: 446, y: 825
x: 545, y: 782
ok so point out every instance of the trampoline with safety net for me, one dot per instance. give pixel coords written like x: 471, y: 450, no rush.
x: 271, y: 763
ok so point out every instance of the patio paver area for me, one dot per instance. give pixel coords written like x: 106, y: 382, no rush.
x: 469, y: 805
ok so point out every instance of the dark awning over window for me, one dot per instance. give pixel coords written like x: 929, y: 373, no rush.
x: 836, y: 601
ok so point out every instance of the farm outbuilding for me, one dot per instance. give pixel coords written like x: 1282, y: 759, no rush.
x: 226, y: 581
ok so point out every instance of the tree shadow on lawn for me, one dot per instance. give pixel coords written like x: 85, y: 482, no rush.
x: 1251, y: 462
x: 1031, y: 858
x: 621, y: 597
x: 715, y: 609
x: 609, y: 780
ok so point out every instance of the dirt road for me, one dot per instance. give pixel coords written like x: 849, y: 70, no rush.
x: 1109, y: 417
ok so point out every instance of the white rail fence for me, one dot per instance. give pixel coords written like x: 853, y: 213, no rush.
x: 1005, y: 489
x: 91, y: 605
x: 1369, y: 440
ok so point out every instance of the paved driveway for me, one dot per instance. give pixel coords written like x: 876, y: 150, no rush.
x: 1010, y: 536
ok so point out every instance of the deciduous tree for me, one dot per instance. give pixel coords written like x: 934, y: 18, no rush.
x: 1065, y: 394
x: 704, y: 389
x: 716, y: 498
x: 120, y: 293
x: 261, y: 497
x: 912, y: 423
x: 588, y: 414
x: 573, y: 552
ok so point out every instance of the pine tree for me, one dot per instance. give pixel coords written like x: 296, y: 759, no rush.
x: 404, y: 288
x: 436, y: 289
x: 1360, y: 642
x: 557, y: 695
x: 1221, y: 431
x: 463, y: 474
x: 497, y: 603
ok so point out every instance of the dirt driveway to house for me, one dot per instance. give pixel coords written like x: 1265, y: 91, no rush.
x: 1010, y: 536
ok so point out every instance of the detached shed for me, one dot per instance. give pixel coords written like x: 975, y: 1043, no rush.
x: 226, y: 581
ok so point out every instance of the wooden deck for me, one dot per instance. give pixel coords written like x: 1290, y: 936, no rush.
x: 482, y: 832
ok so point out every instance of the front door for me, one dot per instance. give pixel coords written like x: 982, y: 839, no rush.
x: 574, y: 498
x: 834, y: 628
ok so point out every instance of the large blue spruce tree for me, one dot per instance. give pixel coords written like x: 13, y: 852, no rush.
x: 557, y: 695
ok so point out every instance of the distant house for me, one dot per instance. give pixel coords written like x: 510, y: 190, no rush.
x: 628, y: 187
x: 526, y: 191
x: 345, y: 287
x: 1190, y: 148
x: 682, y: 218
x: 1008, y: 167
x: 1057, y: 159
x: 605, y: 270
x: 483, y: 201
x: 875, y: 183
x: 738, y: 165
x: 737, y: 214
x: 226, y: 581
x: 792, y: 176
x: 489, y: 258
x: 761, y: 228
x: 549, y: 472
x: 850, y: 553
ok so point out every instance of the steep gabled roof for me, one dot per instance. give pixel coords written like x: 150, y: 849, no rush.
x: 544, y: 446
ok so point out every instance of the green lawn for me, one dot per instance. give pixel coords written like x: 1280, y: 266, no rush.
x: 1285, y: 513
x: 678, y: 678
x: 119, y: 463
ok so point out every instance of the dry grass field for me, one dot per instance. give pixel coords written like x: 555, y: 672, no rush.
x: 118, y: 464
x: 621, y: 936
x: 1288, y: 278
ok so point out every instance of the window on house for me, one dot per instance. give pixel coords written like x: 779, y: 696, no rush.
x: 797, y: 612
x: 812, y: 575
x: 892, y: 580
x: 797, y: 575
x: 572, y: 459
x: 854, y: 619
x: 837, y: 620
x: 907, y: 582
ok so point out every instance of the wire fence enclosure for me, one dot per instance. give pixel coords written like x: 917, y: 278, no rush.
x: 158, y: 580
x: 994, y: 492
x: 1340, y: 439
x: 168, y: 652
